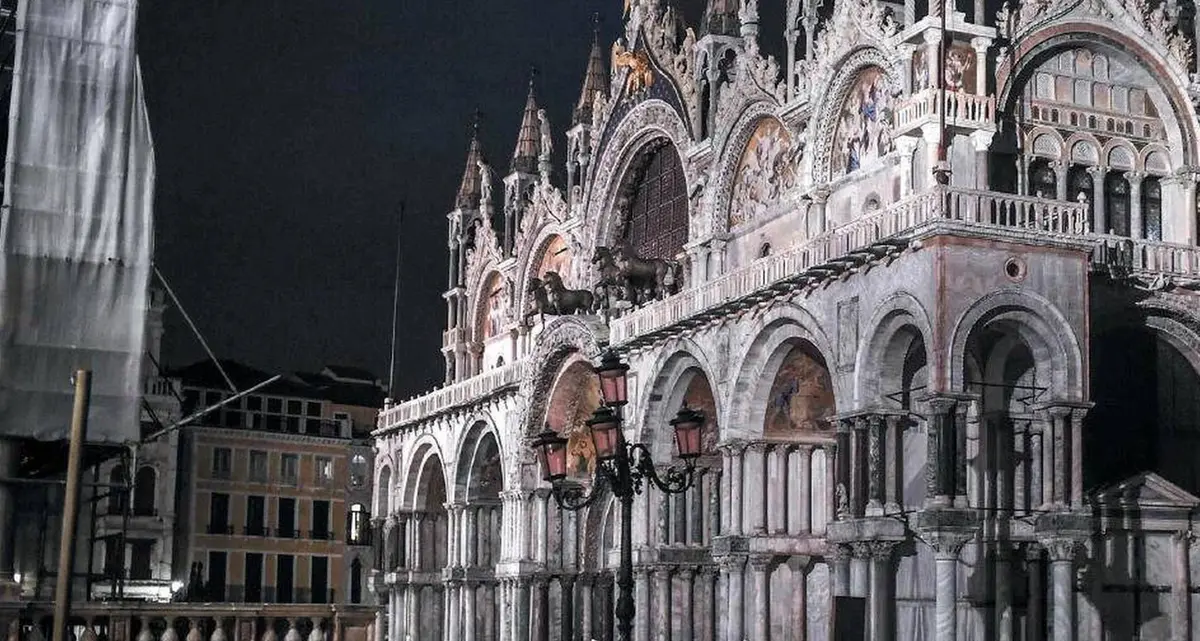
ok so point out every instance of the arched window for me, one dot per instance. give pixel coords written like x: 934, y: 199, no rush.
x: 1152, y: 207
x: 1116, y: 203
x: 1079, y: 184
x: 118, y: 495
x: 358, y: 527
x: 656, y: 224
x: 1042, y: 179
x: 358, y: 470
x: 144, y: 486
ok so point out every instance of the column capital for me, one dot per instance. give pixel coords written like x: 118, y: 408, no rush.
x: 947, y: 545
x: 1135, y: 178
x: 762, y: 562
x: 835, y: 552
x: 799, y: 563
x: 1060, y: 548
x: 732, y: 448
x: 759, y: 447
x: 1096, y: 171
x: 732, y: 563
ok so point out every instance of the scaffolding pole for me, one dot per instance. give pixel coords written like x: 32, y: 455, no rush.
x: 66, y: 548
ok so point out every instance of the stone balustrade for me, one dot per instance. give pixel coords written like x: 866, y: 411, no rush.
x: 447, y: 398
x: 140, y: 621
x: 961, y: 108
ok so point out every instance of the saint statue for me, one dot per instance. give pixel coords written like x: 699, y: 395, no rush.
x: 547, y: 139
x: 485, y: 185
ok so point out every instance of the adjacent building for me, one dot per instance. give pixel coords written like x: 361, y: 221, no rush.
x: 931, y: 275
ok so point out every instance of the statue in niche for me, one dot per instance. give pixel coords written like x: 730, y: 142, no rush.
x: 547, y: 138
x: 485, y: 185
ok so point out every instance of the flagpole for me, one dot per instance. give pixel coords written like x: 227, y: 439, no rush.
x: 395, y: 303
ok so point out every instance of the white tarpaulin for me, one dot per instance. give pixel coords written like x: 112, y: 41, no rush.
x: 77, y: 221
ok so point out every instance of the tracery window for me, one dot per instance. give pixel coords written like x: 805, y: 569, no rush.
x: 1116, y: 203
x: 656, y: 224
x: 1152, y: 207
x: 1042, y: 179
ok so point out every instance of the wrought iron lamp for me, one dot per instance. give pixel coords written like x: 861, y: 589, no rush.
x: 621, y: 469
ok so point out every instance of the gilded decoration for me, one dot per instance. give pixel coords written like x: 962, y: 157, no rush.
x: 640, y: 74
x: 766, y: 171
x: 801, y: 397
x: 576, y: 395
x: 864, y: 125
x: 960, y: 68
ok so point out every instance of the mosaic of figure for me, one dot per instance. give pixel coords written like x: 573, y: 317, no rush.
x: 555, y: 258
x: 575, y: 396
x: 801, y: 397
x: 766, y: 171
x: 699, y: 396
x: 864, y: 133
x: 493, y: 307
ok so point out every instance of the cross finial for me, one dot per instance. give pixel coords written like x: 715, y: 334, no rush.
x: 596, y: 25
x: 476, y: 118
x: 533, y: 72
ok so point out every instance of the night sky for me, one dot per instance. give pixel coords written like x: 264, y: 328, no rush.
x: 287, y: 134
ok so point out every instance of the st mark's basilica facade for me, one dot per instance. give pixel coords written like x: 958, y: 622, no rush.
x: 959, y: 399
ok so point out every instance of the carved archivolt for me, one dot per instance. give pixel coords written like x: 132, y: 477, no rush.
x: 562, y: 337
x: 828, y: 118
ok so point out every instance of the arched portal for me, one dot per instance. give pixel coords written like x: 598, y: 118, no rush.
x: 1146, y: 416
x: 575, y: 396
x: 429, y: 514
x: 481, y: 478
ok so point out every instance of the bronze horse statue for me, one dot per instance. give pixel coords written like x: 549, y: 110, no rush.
x: 651, y: 278
x: 565, y: 301
x: 539, y: 303
x: 612, y: 286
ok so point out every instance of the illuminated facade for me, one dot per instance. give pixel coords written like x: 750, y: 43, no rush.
x: 946, y: 400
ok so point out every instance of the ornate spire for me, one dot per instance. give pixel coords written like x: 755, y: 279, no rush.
x: 525, y: 156
x: 595, y: 80
x: 469, y: 188
x: 721, y: 18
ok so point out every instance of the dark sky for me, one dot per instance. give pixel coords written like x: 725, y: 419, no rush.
x: 287, y: 134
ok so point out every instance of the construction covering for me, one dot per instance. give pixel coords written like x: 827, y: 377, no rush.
x: 76, y: 233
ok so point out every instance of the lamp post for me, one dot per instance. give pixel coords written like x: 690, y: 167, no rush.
x: 621, y: 468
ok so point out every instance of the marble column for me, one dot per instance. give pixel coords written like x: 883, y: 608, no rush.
x: 893, y: 465
x: 858, y: 465
x: 1035, y: 617
x: 875, y: 466
x: 1060, y: 174
x: 585, y: 630
x: 541, y: 596
x: 803, y: 503
x: 1062, y: 587
x: 1076, y: 436
x: 687, y: 600
x: 734, y: 568
x: 761, y: 566
x: 1137, y: 227
x: 567, y: 612
x: 451, y: 601
x: 756, y: 485
x: 735, y: 490
x: 838, y: 558
x: 1004, y: 607
x: 641, y: 592
x: 1040, y: 442
x: 880, y: 604
x: 799, y: 614
x: 540, y: 505
x: 859, y: 569
x: 777, y: 485
x: 468, y: 589
x: 942, y: 445
x: 905, y: 148
x: 662, y: 600
x: 1099, y: 219
x: 981, y: 140
x: 946, y: 549
x: 1059, y: 423
x: 1181, y: 625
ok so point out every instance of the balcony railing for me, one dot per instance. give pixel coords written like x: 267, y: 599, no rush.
x: 893, y: 225
x: 451, y: 396
x: 320, y: 535
x: 961, y: 108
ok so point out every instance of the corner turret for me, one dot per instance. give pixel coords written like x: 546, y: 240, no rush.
x: 523, y: 170
x: 579, y: 138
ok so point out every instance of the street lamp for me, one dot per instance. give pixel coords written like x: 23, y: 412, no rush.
x: 621, y: 468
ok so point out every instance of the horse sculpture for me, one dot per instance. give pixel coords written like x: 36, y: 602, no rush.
x: 650, y: 278
x: 539, y: 304
x: 611, y: 287
x: 565, y: 301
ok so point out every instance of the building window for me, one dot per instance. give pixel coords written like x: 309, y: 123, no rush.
x: 358, y: 471
x: 656, y: 225
x: 1152, y: 208
x: 258, y: 466
x: 117, y: 491
x: 215, y: 589
x: 114, y: 559
x: 287, y: 518
x: 356, y: 573
x: 289, y: 468
x: 358, y: 527
x: 222, y: 463
x: 320, y: 580
x: 218, y: 514
x: 1116, y: 203
x: 324, y: 470
x: 254, y: 577
x: 313, y: 409
x: 140, y: 553
x: 143, y: 492
x: 1043, y: 182
x: 320, y: 521
x: 256, y: 516
x: 285, y: 565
